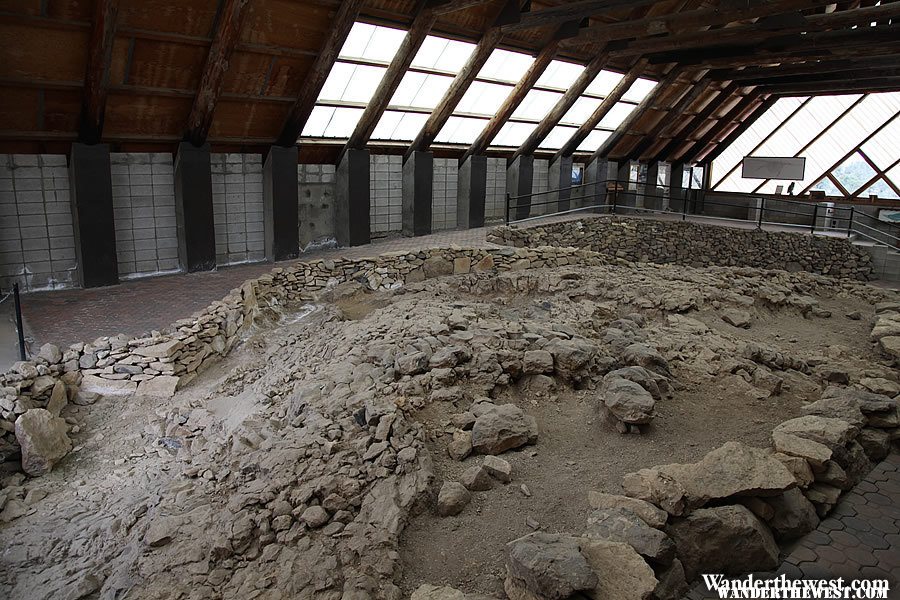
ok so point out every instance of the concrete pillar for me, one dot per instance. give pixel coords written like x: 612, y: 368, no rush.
x: 625, y: 197
x: 597, y: 175
x: 471, y: 191
x: 194, y: 208
x: 519, y: 182
x: 652, y: 191
x: 560, y: 179
x: 281, y: 200
x: 90, y: 192
x: 352, y: 225
x: 676, y: 187
x: 418, y: 178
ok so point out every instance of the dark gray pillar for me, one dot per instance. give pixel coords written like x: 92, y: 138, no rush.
x: 281, y: 203
x: 597, y: 175
x: 652, y: 193
x: 194, y: 208
x: 90, y: 190
x: 676, y: 187
x: 471, y: 192
x: 351, y: 210
x: 519, y: 181
x: 418, y: 177
x: 560, y: 179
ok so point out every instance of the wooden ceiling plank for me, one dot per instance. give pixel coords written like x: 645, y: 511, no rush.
x: 722, y: 123
x: 96, y: 78
x: 571, y: 11
x: 318, y: 73
x: 694, y: 122
x: 813, y: 67
x: 709, y: 155
x: 670, y: 118
x: 227, y: 34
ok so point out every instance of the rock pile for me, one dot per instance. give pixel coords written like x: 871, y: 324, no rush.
x: 695, y: 244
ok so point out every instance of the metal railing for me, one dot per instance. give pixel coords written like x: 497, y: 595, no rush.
x: 20, y: 328
x: 818, y: 218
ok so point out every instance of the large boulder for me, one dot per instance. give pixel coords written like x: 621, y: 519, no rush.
x: 622, y: 525
x: 503, y: 428
x: 833, y: 433
x: 725, y: 539
x: 642, y: 355
x: 452, y: 499
x: 794, y: 515
x: 43, y: 440
x: 814, y: 453
x: 571, y: 358
x: 548, y: 567
x: 646, y: 379
x: 621, y: 573
x: 657, y: 488
x: 843, y: 408
x: 627, y: 401
x: 651, y: 515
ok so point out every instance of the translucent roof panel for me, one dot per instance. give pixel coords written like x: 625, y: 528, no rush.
x: 328, y: 121
x: 537, y: 104
x: 557, y: 137
x: 828, y: 187
x: 460, y: 130
x: 396, y: 125
x: 883, y: 147
x: 604, y: 83
x: 639, y: 89
x: 351, y: 83
x: 504, y: 65
x: 483, y: 98
x: 421, y: 90
x: 513, y: 134
x: 810, y: 120
x: 854, y: 173
x: 581, y: 111
x: 618, y: 113
x: 881, y: 189
x: 372, y: 42
x: 560, y: 75
x: 594, y: 140
x: 441, y: 54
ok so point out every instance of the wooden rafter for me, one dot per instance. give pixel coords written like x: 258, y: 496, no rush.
x: 96, y: 77
x: 566, y: 102
x: 811, y: 68
x: 601, y: 111
x: 736, y: 112
x: 341, y: 25
x: 684, y: 127
x: 709, y: 154
x: 670, y: 118
x: 648, y: 102
x: 461, y: 83
x: 512, y: 101
x: 856, y: 86
x: 574, y: 11
x: 412, y: 41
x: 228, y: 32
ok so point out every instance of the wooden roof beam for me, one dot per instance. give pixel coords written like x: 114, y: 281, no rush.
x: 810, y: 68
x: 412, y: 41
x: 859, y: 86
x: 686, y: 126
x: 314, y: 80
x: 568, y: 99
x: 573, y: 11
x: 710, y: 155
x: 670, y: 118
x: 648, y: 102
x: 461, y: 83
x: 737, y: 111
x: 96, y: 77
x: 601, y: 111
x: 228, y: 32
x: 513, y: 100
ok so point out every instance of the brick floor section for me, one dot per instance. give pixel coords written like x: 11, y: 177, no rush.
x: 860, y: 539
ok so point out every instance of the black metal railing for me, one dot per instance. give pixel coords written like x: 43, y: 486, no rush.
x: 607, y: 197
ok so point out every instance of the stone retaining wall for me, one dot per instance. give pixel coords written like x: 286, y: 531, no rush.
x: 696, y: 245
x: 165, y: 361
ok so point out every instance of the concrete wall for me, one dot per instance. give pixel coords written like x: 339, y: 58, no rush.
x: 144, y: 213
x: 316, y: 205
x: 495, y: 196
x: 386, y: 195
x: 541, y: 183
x: 444, y: 185
x: 238, y: 208
x: 37, y: 240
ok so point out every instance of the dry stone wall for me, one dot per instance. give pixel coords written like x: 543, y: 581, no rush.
x: 696, y: 245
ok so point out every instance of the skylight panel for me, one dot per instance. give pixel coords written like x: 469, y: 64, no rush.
x: 537, y: 104
x: 513, y: 134
x: 442, y: 54
x: 593, y: 141
x: 351, y: 83
x: 618, y: 113
x: 420, y: 90
x: 504, y: 65
x: 557, y: 137
x: 560, y: 75
x: 581, y: 111
x: 396, y: 125
x: 639, y: 89
x: 483, y: 98
x: 332, y: 122
x: 372, y: 42
x: 460, y: 130
x: 604, y: 83
x: 317, y: 122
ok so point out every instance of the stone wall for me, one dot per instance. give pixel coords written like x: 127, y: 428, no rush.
x: 696, y: 245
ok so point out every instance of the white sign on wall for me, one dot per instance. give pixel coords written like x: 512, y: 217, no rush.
x: 773, y: 167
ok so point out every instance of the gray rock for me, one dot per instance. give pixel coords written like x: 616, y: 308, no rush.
x: 50, y: 353
x: 43, y: 440
x: 547, y: 566
x: 833, y: 433
x: 794, y: 516
x: 644, y: 356
x: 503, y: 428
x: 412, y: 364
x: 452, y: 499
x: 651, y: 515
x: 621, y: 572
x: 498, y: 468
x: 876, y: 442
x: 672, y: 582
x: 641, y: 376
x: 627, y: 401
x: 537, y: 362
x: 623, y: 525
x: 314, y: 517
x: 725, y: 539
x: 476, y: 479
x: 461, y: 446
x: 736, y: 317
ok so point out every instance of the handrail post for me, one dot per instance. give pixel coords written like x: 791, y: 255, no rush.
x: 615, y: 197
x: 19, y: 328
x: 850, y: 222
x: 812, y: 227
x: 762, y: 209
x: 506, y: 212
